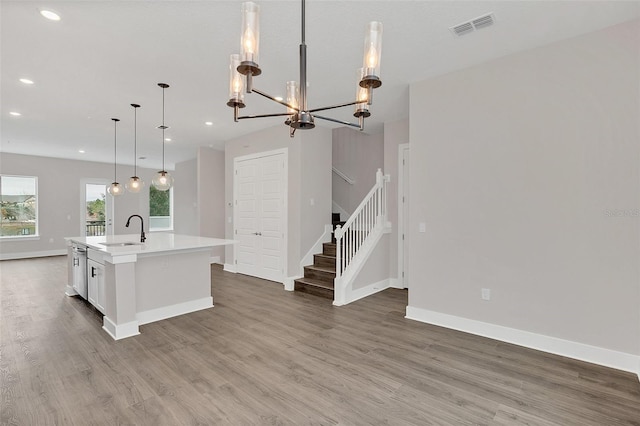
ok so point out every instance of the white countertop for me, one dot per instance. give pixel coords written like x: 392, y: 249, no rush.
x: 156, y: 242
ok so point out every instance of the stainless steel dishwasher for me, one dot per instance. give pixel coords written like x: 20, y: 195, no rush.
x: 79, y: 264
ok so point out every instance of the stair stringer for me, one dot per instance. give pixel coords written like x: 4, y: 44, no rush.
x: 308, y: 258
x: 343, y: 286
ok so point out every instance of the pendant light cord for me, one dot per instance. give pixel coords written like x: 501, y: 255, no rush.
x: 135, y: 141
x: 115, y: 149
x: 163, y: 128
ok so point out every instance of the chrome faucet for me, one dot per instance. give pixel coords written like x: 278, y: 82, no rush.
x: 142, y: 237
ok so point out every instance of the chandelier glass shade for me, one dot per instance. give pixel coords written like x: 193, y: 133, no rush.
x: 163, y: 179
x: 115, y: 188
x: 243, y: 67
x: 135, y: 184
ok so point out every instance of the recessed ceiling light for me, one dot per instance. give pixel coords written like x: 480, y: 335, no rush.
x: 15, y: 114
x: 167, y: 139
x: 209, y: 123
x: 50, y: 15
x: 81, y: 151
x: 26, y: 81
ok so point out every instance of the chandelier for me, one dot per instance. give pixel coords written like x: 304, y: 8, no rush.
x: 243, y: 67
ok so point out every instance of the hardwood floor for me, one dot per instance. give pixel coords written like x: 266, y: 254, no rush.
x: 266, y: 356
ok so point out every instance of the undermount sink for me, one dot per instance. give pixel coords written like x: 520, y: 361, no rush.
x: 128, y: 243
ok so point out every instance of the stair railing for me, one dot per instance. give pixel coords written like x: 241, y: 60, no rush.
x: 369, y: 217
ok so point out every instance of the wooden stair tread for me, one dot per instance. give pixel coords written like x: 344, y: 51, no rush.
x: 326, y: 256
x: 315, y: 282
x: 321, y: 268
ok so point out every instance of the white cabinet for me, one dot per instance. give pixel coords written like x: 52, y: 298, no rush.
x: 95, y: 281
x: 79, y: 269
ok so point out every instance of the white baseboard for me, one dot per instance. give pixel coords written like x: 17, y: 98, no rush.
x: 214, y: 259
x: 395, y: 283
x: 120, y: 331
x: 31, y: 254
x: 360, y: 293
x: 580, y: 351
x: 152, y: 315
x: 228, y: 267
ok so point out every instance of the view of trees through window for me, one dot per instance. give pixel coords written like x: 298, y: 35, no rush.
x: 96, y: 209
x: 159, y: 209
x: 19, y: 206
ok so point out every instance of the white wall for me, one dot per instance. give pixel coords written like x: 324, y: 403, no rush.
x: 516, y: 167
x: 313, y: 146
x: 59, y: 200
x: 358, y: 155
x: 185, y: 198
x: 211, y: 196
x: 315, y: 194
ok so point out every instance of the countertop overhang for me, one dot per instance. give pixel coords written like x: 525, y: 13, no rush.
x: 116, y: 245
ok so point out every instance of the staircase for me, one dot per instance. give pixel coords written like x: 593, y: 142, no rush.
x: 318, y: 278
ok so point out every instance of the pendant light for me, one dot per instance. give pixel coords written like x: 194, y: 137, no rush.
x: 115, y: 188
x: 135, y: 184
x: 163, y: 180
x: 299, y: 116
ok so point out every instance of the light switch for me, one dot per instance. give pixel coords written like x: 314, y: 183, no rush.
x: 423, y: 227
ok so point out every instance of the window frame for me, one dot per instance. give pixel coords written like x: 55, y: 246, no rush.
x: 28, y: 237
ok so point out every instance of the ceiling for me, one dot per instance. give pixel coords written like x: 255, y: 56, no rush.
x: 104, y: 55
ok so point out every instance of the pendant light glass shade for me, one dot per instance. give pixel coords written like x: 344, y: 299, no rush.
x: 362, y: 96
x: 293, y: 95
x: 115, y: 188
x: 163, y: 180
x: 236, y: 81
x: 135, y: 184
x: 372, y: 50
x: 250, y: 40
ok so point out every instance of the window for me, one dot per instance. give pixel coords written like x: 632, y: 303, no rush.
x: 160, y: 209
x: 19, y: 203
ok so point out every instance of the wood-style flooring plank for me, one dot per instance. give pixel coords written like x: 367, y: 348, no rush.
x: 264, y: 356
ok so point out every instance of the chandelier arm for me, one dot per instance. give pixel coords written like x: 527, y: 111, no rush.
x: 335, y: 106
x: 346, y: 123
x: 283, y: 114
x: 275, y: 100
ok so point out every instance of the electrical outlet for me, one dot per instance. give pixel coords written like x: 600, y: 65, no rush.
x: 486, y: 294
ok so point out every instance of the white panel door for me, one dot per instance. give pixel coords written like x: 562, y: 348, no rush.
x: 260, y: 216
x: 246, y: 220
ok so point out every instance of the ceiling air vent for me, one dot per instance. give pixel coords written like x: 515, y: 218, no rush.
x: 478, y: 23
x: 462, y: 28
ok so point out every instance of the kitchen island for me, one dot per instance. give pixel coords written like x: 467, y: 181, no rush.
x: 134, y: 283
